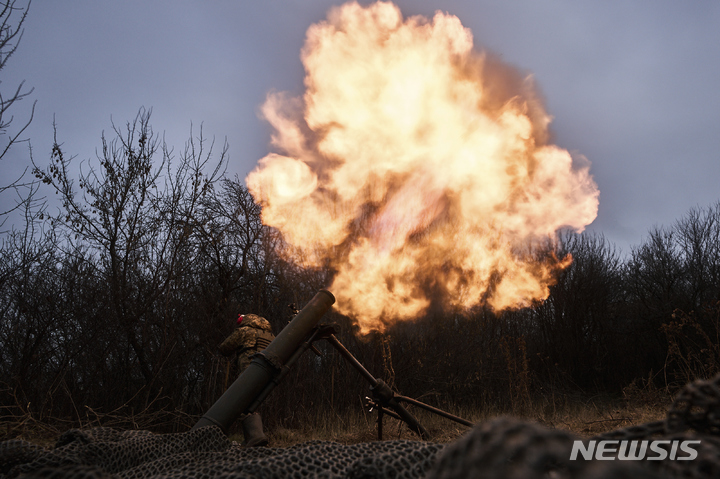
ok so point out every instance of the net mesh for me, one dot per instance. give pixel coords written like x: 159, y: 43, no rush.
x: 499, y: 448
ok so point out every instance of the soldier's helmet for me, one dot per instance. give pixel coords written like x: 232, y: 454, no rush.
x: 253, y: 321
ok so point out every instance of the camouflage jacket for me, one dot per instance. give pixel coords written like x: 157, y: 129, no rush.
x: 252, y: 329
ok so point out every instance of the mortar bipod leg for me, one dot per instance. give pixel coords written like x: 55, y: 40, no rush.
x: 381, y: 391
x: 380, y: 424
x: 385, y: 396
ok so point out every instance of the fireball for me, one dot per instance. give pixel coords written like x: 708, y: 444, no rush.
x: 419, y: 168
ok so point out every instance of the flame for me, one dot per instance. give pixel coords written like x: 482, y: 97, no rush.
x: 418, y: 167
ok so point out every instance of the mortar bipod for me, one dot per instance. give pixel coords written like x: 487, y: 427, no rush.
x: 383, y: 397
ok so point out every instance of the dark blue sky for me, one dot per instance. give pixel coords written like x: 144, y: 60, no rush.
x: 632, y: 85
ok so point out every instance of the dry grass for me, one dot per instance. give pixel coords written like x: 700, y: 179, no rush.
x: 39, y: 433
x: 584, y: 416
x: 358, y: 427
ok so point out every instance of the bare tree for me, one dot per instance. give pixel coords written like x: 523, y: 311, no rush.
x: 134, y: 214
x: 576, y: 326
x: 12, y: 19
x: 698, y: 237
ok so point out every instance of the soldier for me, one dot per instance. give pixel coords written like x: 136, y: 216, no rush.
x: 252, y: 335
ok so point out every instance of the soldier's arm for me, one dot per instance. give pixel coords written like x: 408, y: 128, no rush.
x: 233, y: 342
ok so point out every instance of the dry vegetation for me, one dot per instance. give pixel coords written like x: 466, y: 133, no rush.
x: 585, y: 417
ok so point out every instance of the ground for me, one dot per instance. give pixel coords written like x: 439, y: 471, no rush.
x: 582, y: 415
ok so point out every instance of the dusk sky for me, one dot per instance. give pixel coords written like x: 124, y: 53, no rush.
x: 632, y: 85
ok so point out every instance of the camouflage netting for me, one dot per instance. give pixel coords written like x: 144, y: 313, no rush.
x: 500, y: 448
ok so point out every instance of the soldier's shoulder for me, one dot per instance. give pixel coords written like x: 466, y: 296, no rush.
x: 257, y: 322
